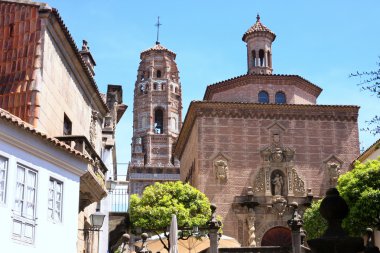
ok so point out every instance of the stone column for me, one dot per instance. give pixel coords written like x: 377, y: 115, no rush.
x: 295, y: 224
x: 251, y: 228
x: 213, y: 225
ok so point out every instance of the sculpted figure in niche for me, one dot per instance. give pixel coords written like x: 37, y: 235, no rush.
x: 277, y: 183
x: 221, y: 169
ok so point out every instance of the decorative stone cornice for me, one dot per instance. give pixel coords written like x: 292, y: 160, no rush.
x: 261, y: 111
x: 262, y: 79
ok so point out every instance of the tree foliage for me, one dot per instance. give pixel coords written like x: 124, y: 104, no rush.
x: 371, y: 82
x: 314, y: 224
x: 153, y: 211
x: 360, y: 188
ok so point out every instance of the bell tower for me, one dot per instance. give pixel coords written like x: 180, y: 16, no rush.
x: 259, y: 48
x: 157, y: 114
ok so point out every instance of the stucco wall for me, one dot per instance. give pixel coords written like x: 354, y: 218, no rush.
x: 61, y: 93
x: 49, y: 162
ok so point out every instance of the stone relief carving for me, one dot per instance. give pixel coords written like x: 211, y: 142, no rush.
x: 221, y: 170
x: 251, y: 229
x: 279, y: 205
x: 259, y: 182
x: 333, y: 166
x: 277, y: 155
x: 277, y: 184
x: 299, y: 185
x: 94, y: 118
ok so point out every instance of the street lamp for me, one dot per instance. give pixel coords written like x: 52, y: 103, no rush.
x: 110, y: 184
x: 97, y: 220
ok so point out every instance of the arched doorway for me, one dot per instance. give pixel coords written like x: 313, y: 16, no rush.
x: 277, y: 236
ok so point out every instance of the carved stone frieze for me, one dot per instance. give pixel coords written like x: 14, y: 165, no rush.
x: 259, y: 182
x: 298, y: 184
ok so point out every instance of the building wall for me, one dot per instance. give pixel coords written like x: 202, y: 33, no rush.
x: 189, y: 163
x: 249, y: 93
x: 42, y: 157
x: 61, y: 93
x: 240, y: 141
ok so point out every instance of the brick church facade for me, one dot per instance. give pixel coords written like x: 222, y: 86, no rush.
x: 259, y: 142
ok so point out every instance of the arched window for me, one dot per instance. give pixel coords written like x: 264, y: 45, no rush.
x: 155, y: 86
x: 263, y: 97
x: 261, y: 56
x: 159, y: 121
x: 280, y: 98
x: 254, y: 58
x: 158, y: 73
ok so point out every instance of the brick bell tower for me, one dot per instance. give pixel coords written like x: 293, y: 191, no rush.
x: 157, y: 114
x: 259, y: 40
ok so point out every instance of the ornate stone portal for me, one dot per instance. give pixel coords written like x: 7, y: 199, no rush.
x: 273, y: 186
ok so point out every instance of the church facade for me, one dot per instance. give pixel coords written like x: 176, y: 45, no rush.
x: 157, y: 114
x: 260, y: 141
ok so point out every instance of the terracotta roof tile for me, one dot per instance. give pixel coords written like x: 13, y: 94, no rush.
x: 16, y: 121
x: 158, y: 47
x: 258, y: 27
x: 20, y: 38
x: 212, y: 88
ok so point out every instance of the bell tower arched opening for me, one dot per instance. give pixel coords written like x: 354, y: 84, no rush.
x: 159, y: 121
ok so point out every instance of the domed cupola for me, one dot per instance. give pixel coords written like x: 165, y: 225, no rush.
x: 259, y: 40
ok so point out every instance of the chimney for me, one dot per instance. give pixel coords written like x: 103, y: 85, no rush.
x: 87, y: 57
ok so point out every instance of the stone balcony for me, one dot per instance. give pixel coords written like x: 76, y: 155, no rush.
x: 92, y: 183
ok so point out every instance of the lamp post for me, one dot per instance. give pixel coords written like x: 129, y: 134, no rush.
x: 97, y: 220
x: 110, y: 184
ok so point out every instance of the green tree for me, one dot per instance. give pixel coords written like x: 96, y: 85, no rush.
x: 360, y: 188
x: 314, y: 224
x: 153, y: 211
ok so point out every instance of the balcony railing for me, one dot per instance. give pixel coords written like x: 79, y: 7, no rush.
x: 81, y: 143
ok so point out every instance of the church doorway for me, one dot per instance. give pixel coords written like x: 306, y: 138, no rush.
x: 277, y: 236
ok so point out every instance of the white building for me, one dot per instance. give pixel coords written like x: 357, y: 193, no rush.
x: 39, y: 189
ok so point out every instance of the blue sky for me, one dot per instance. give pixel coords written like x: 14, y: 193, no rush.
x: 322, y: 41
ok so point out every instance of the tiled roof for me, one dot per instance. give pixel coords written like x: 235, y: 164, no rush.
x: 158, y: 47
x: 229, y: 83
x: 363, y: 156
x: 16, y: 121
x: 20, y: 33
x: 20, y: 56
x: 258, y: 27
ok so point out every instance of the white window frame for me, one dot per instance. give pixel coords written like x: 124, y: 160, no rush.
x: 3, y: 181
x: 23, y: 221
x: 55, y: 208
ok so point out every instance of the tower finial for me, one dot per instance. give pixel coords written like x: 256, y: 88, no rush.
x: 258, y: 18
x: 158, y: 24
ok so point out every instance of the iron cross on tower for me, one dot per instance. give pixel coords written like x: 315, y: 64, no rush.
x: 158, y: 24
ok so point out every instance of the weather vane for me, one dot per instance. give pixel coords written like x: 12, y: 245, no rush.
x: 158, y: 29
